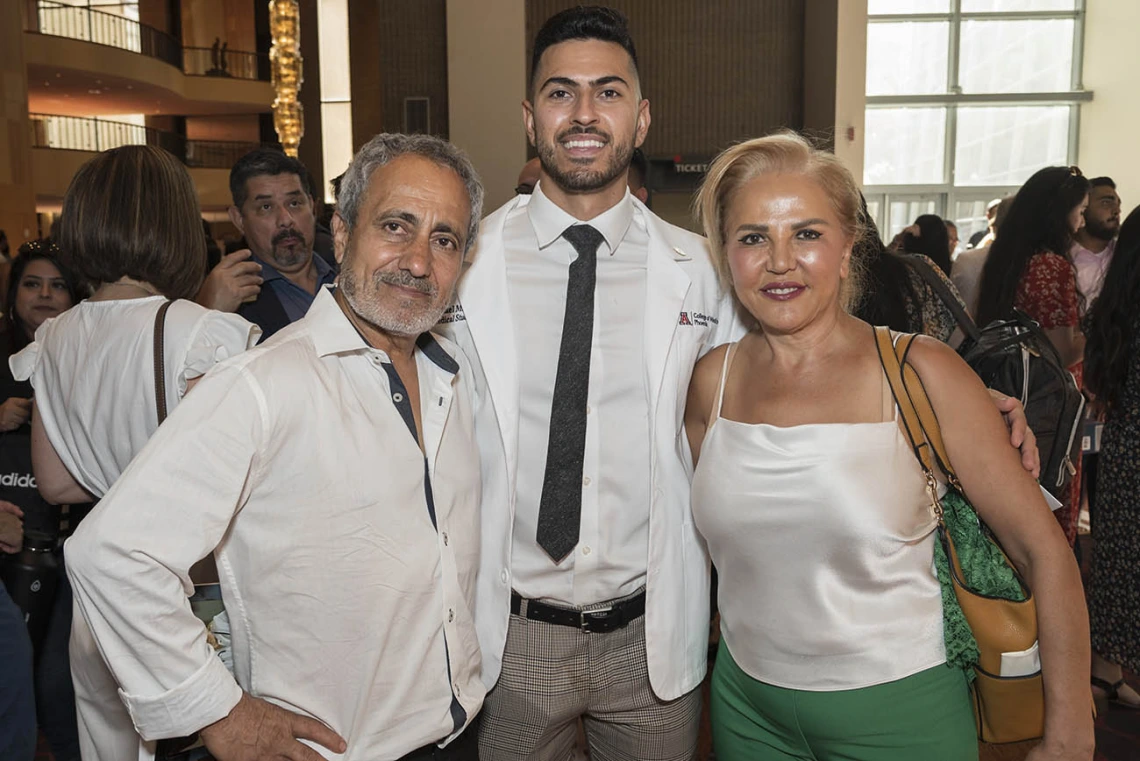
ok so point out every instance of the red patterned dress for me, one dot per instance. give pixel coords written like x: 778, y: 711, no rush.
x: 1048, y: 294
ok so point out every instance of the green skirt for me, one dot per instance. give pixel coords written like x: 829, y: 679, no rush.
x: 924, y: 716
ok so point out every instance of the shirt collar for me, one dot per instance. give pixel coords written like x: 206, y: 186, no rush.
x: 334, y: 333
x: 1080, y: 251
x: 550, y: 221
x: 325, y: 272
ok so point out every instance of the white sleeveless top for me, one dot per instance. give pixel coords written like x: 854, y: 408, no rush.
x: 823, y: 538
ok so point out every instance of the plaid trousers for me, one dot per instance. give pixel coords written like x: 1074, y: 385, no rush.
x: 553, y: 674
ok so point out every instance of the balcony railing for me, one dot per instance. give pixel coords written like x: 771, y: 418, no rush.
x: 221, y: 62
x: 73, y: 133
x: 107, y: 29
x: 81, y: 23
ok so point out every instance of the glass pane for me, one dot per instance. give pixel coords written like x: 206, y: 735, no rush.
x: 904, y: 146
x: 922, y: 45
x: 970, y: 216
x: 1016, y: 56
x: 874, y: 209
x: 1003, y: 145
x: 907, y: 6
x: 904, y: 212
x: 983, y: 6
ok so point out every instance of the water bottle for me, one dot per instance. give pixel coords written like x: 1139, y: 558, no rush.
x: 32, y: 577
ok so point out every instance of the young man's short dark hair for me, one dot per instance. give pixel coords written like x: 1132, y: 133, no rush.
x: 265, y: 162
x: 1102, y: 182
x: 582, y: 23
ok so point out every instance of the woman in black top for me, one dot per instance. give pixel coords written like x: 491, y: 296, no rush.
x: 39, y: 287
x: 1112, y: 376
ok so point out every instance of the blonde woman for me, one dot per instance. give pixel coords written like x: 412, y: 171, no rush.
x: 816, y: 511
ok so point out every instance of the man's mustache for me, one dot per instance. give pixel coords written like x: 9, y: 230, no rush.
x: 288, y: 235
x: 583, y: 131
x: 407, y: 280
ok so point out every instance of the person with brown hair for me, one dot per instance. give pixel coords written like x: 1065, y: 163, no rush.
x: 816, y: 512
x: 132, y: 227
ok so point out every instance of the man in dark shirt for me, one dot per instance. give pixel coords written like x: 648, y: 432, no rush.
x: 274, y: 281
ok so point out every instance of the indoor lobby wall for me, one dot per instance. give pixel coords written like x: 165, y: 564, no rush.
x: 17, y: 196
x: 486, y: 83
x: 231, y: 21
x: 1108, y: 122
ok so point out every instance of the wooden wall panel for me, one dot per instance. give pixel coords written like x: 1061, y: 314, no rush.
x: 398, y: 50
x: 714, y: 72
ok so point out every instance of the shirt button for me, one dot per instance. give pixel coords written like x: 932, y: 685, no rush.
x: 505, y: 576
x: 397, y: 397
x: 444, y: 538
x: 589, y: 409
x: 377, y: 361
x: 450, y: 615
x: 586, y: 550
x: 585, y: 480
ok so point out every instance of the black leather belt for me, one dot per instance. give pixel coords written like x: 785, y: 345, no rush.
x: 616, y: 616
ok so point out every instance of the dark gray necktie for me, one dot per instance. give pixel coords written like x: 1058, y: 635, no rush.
x: 560, y: 509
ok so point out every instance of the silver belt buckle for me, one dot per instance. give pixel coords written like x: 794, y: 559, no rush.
x: 602, y: 613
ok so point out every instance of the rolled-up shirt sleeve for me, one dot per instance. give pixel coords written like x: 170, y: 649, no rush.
x: 129, y: 561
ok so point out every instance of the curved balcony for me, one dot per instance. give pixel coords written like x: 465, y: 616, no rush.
x: 70, y: 141
x: 76, y: 52
x: 109, y: 29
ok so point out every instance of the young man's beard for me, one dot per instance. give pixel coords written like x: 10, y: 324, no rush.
x: 1101, y: 231
x: 585, y: 180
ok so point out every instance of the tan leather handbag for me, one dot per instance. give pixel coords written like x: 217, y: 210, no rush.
x: 1006, y: 709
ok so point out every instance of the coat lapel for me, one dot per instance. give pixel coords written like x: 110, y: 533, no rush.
x: 667, y: 284
x: 486, y: 304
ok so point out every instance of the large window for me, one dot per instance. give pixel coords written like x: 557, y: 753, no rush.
x: 965, y: 100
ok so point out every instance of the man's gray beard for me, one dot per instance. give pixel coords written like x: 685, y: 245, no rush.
x: 585, y: 180
x: 387, y: 319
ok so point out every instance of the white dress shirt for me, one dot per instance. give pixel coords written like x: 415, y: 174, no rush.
x: 347, y: 555
x: 612, y: 554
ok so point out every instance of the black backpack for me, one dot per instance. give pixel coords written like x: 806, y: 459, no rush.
x: 1015, y: 357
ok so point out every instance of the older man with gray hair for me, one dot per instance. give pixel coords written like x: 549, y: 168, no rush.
x: 334, y: 474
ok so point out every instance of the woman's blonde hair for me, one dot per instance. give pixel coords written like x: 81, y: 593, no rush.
x: 782, y: 153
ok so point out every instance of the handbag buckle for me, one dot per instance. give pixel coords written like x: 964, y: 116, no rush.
x: 932, y: 486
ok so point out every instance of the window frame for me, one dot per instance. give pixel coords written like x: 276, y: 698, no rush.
x: 953, y: 98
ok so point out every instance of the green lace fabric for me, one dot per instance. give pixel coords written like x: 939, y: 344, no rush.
x: 984, y: 570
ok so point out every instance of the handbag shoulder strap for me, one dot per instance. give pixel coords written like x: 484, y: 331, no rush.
x: 160, y: 361
x: 919, y: 420
x: 938, y: 285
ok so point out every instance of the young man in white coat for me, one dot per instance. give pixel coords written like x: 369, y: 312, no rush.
x: 593, y: 593
x: 583, y: 314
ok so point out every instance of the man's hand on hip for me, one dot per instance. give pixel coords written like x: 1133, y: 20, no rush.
x: 256, y: 730
x: 234, y: 281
